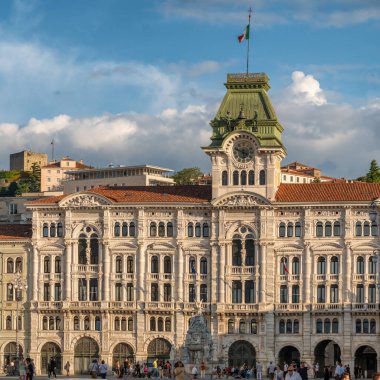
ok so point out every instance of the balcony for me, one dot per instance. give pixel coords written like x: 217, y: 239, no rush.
x: 85, y: 269
x: 122, y: 305
x: 195, y: 277
x: 160, y: 305
x: 124, y: 276
x: 240, y: 270
x: 241, y: 307
x: 364, y: 306
x: 86, y: 304
x: 48, y: 305
x: 52, y: 276
x: 364, y: 277
x: 327, y: 306
x: 289, y: 277
x: 289, y: 307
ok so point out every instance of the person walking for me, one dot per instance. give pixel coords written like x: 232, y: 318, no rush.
x: 259, y: 370
x: 53, y: 366
x: 94, y: 369
x: 303, y: 371
x: 22, y: 369
x: 278, y: 374
x: 29, y: 369
x: 326, y: 374
x: 103, y: 369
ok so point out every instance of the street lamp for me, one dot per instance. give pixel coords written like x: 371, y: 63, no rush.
x: 18, y: 284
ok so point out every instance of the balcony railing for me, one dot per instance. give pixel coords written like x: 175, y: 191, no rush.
x: 239, y: 306
x: 327, y: 306
x: 241, y: 270
x: 289, y: 306
x: 84, y: 268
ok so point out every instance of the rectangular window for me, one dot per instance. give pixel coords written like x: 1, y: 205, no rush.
x: 82, y: 289
x: 360, y: 294
x: 334, y: 294
x: 57, y: 292
x: 295, y: 294
x: 321, y: 294
x: 236, y: 292
x: 250, y: 291
x: 48, y: 179
x: 118, y: 292
x: 283, y: 294
x: 167, y: 292
x: 94, y: 289
x: 46, y: 292
x: 371, y: 294
x: 12, y: 208
x: 129, y: 292
x: 192, y: 297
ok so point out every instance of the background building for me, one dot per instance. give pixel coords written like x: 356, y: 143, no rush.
x: 24, y: 160
x: 284, y: 271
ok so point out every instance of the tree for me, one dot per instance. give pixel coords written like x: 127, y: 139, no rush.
x: 373, y: 175
x: 187, y: 176
x: 35, y: 178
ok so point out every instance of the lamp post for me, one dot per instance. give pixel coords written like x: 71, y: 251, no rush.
x: 18, y: 284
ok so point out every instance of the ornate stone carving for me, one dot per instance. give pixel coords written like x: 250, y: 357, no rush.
x: 85, y: 200
x: 240, y: 200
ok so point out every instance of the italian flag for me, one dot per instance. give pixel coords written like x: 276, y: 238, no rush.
x: 245, y: 35
x: 284, y: 265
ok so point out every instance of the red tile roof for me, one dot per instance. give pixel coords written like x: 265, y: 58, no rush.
x: 145, y: 194
x: 15, y: 231
x: 328, y: 192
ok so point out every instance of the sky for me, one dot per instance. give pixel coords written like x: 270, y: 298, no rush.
x: 137, y: 82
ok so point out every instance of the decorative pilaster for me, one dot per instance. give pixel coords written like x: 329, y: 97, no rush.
x: 263, y: 268
x: 106, y: 272
x: 347, y: 262
x: 306, y: 273
x: 221, y: 273
x: 140, y: 271
x: 179, y: 272
x: 36, y: 271
x: 68, y: 260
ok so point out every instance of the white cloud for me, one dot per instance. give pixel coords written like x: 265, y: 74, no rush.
x: 306, y: 89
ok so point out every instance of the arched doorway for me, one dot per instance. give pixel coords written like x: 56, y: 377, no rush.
x: 289, y: 354
x: 158, y: 348
x: 48, y: 351
x: 241, y: 352
x: 366, y: 358
x: 326, y: 353
x: 122, y: 352
x: 86, y: 350
x: 10, y: 355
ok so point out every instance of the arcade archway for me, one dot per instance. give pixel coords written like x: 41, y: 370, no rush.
x: 10, y: 354
x: 48, y: 351
x: 158, y: 348
x: 241, y: 352
x: 326, y: 353
x: 366, y: 358
x: 122, y: 352
x: 289, y: 354
x: 86, y: 350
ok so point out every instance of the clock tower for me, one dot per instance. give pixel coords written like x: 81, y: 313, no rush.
x: 246, y: 147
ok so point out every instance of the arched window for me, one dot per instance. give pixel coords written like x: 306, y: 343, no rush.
x: 154, y: 264
x: 372, y: 326
x: 119, y: 264
x: 203, y: 265
x: 152, y: 324
x: 203, y: 292
x: 8, y: 323
x: 153, y: 229
x: 289, y: 326
x: 321, y: 265
x: 59, y: 230
x: 76, y: 323
x: 358, y: 326
x: 206, y: 230
x: 9, y: 292
x: 132, y: 229
x: 296, y: 265
x: 319, y: 326
x: 45, y: 230
x: 251, y: 177
x: 335, y: 326
x: 10, y: 265
x: 236, y: 251
x: 360, y: 265
x: 281, y: 230
x: 44, y: 323
x: 51, y: 323
x: 282, y: 326
x: 47, y: 264
x: 82, y: 245
x: 168, y: 325
x: 123, y: 324
x: 231, y: 326
x: 124, y: 229
x: 243, y: 178
x: 130, y: 264
x: 235, y: 178
x: 242, y: 326
x: 161, y: 229
x: 130, y: 324
x: 117, y: 229
x: 334, y: 265
x: 372, y: 265
x: 169, y: 229
x: 366, y: 229
x: 98, y: 324
x: 336, y: 228
x: 167, y: 264
x: 18, y: 263
x: 253, y: 326
x: 358, y: 229
x: 250, y: 251
x: 190, y: 230
x: 319, y: 229
x: 197, y: 230
x: 289, y: 230
x: 298, y: 229
x: 365, y: 326
x: 327, y: 326
x: 160, y: 324
x: 224, y: 178
x: 296, y: 326
x: 154, y: 293
x: 57, y: 265
x: 374, y: 229
x: 328, y: 229
x: 262, y: 179
x: 52, y: 230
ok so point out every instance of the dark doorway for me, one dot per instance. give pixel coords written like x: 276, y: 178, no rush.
x: 326, y: 353
x: 51, y: 350
x: 366, y: 358
x: 289, y: 354
x: 241, y: 352
x: 86, y: 350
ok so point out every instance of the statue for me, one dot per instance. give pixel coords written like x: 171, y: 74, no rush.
x: 198, y: 307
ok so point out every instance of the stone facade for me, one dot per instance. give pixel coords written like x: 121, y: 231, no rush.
x: 24, y: 160
x: 281, y: 271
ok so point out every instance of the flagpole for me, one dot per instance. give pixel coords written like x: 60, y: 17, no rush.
x: 249, y: 36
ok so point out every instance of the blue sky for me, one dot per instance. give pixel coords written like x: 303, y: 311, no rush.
x: 137, y: 81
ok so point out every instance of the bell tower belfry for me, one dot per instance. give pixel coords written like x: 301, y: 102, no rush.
x: 246, y: 147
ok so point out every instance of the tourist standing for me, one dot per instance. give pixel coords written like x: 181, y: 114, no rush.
x: 103, y: 369
x: 292, y: 374
x: 303, y: 371
x: 203, y: 370
x: 278, y: 374
x: 67, y: 368
x: 259, y: 370
x: 22, y: 369
x: 194, y: 372
x: 326, y: 374
x: 271, y: 369
x: 179, y: 371
x: 53, y: 366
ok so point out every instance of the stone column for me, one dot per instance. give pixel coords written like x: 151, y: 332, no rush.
x: 179, y: 273
x: 307, y: 275
x: 263, y: 268
x: 221, y: 273
x: 106, y: 271
x: 140, y: 273
x: 213, y: 270
x: 347, y: 262
x: 68, y: 270
x: 36, y: 272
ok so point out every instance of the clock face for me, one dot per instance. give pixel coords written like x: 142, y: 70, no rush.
x: 243, y: 151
